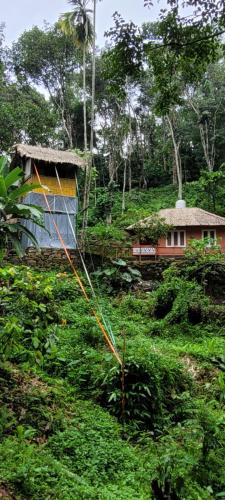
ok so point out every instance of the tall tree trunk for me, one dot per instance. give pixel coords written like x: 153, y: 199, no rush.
x: 204, y: 135
x: 176, y: 146
x: 142, y: 148
x: 124, y: 185
x: 66, y: 123
x: 164, y: 142
x: 93, y: 80
x: 90, y: 162
x: 85, y: 133
x: 130, y: 141
x: 84, y: 99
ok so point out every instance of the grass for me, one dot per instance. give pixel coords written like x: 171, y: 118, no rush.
x: 63, y: 432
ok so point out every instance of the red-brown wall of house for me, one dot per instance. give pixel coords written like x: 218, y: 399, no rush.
x: 191, y: 233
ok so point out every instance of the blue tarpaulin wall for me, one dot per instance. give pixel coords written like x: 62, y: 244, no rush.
x: 49, y: 238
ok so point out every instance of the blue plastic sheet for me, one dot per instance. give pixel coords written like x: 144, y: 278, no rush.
x: 48, y: 237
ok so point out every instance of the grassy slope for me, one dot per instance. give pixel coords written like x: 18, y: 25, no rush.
x: 57, y: 442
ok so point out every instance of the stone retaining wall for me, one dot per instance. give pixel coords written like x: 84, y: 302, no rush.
x: 54, y: 258
x: 45, y: 258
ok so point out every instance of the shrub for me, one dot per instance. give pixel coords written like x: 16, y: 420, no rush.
x: 191, y: 460
x: 33, y: 472
x: 92, y: 448
x: 204, y: 265
x: 118, y: 275
x: 153, y: 386
x: 28, y: 310
x: 179, y: 300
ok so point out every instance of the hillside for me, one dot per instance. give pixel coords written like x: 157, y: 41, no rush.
x: 64, y: 431
x: 112, y: 374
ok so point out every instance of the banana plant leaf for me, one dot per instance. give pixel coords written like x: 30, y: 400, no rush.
x: 22, y: 190
x: 13, y: 176
x: 3, y: 190
x: 3, y: 165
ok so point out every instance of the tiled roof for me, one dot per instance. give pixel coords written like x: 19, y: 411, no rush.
x: 182, y: 217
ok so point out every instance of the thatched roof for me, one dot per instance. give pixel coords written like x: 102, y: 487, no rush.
x: 48, y: 155
x: 181, y: 217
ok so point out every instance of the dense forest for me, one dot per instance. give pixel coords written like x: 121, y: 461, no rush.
x: 142, y: 415
x: 159, y: 98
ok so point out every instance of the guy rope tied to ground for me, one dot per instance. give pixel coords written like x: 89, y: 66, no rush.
x: 101, y: 326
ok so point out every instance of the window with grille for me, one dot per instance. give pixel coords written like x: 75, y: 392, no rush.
x: 176, y: 239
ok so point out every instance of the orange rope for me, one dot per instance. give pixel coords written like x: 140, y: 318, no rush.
x: 107, y: 339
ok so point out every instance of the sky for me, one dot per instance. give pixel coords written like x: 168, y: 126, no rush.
x: 21, y: 15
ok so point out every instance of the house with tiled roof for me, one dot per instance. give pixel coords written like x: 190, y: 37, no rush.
x: 185, y: 224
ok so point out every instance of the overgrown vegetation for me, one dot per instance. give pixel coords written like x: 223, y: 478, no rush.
x: 74, y: 424
x: 67, y: 426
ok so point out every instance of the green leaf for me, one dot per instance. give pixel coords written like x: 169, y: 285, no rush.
x: 134, y: 272
x: 32, y: 211
x: 39, y: 357
x: 28, y: 233
x: 35, y: 342
x: 13, y: 176
x: 22, y: 190
x: 127, y: 277
x: 120, y: 262
x: 3, y: 190
x: 11, y: 228
x: 109, y: 272
x: 16, y: 245
x: 3, y: 165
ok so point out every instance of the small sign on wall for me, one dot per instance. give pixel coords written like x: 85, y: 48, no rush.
x: 144, y: 250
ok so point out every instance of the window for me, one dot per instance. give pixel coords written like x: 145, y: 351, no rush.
x: 176, y: 239
x: 210, y: 235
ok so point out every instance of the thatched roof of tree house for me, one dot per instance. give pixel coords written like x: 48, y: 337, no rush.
x: 48, y: 155
x: 180, y: 217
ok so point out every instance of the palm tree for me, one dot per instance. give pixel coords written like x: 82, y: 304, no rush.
x: 90, y: 164
x: 78, y: 25
x: 12, y: 210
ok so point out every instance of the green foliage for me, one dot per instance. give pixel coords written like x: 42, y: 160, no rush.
x: 152, y: 229
x: 124, y: 59
x: 211, y: 189
x: 27, y: 309
x: 102, y: 206
x: 23, y: 110
x: 51, y: 65
x: 182, y: 455
x: 205, y: 265
x: 172, y: 68
x: 78, y: 452
x: 178, y: 300
x: 119, y: 276
x: 98, y: 444
x: 103, y: 235
x: 77, y: 24
x: 36, y: 474
x: 205, y: 249
x: 56, y: 441
x: 11, y: 208
x: 153, y: 388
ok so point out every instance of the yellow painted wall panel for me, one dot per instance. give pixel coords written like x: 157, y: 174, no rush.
x: 68, y: 185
